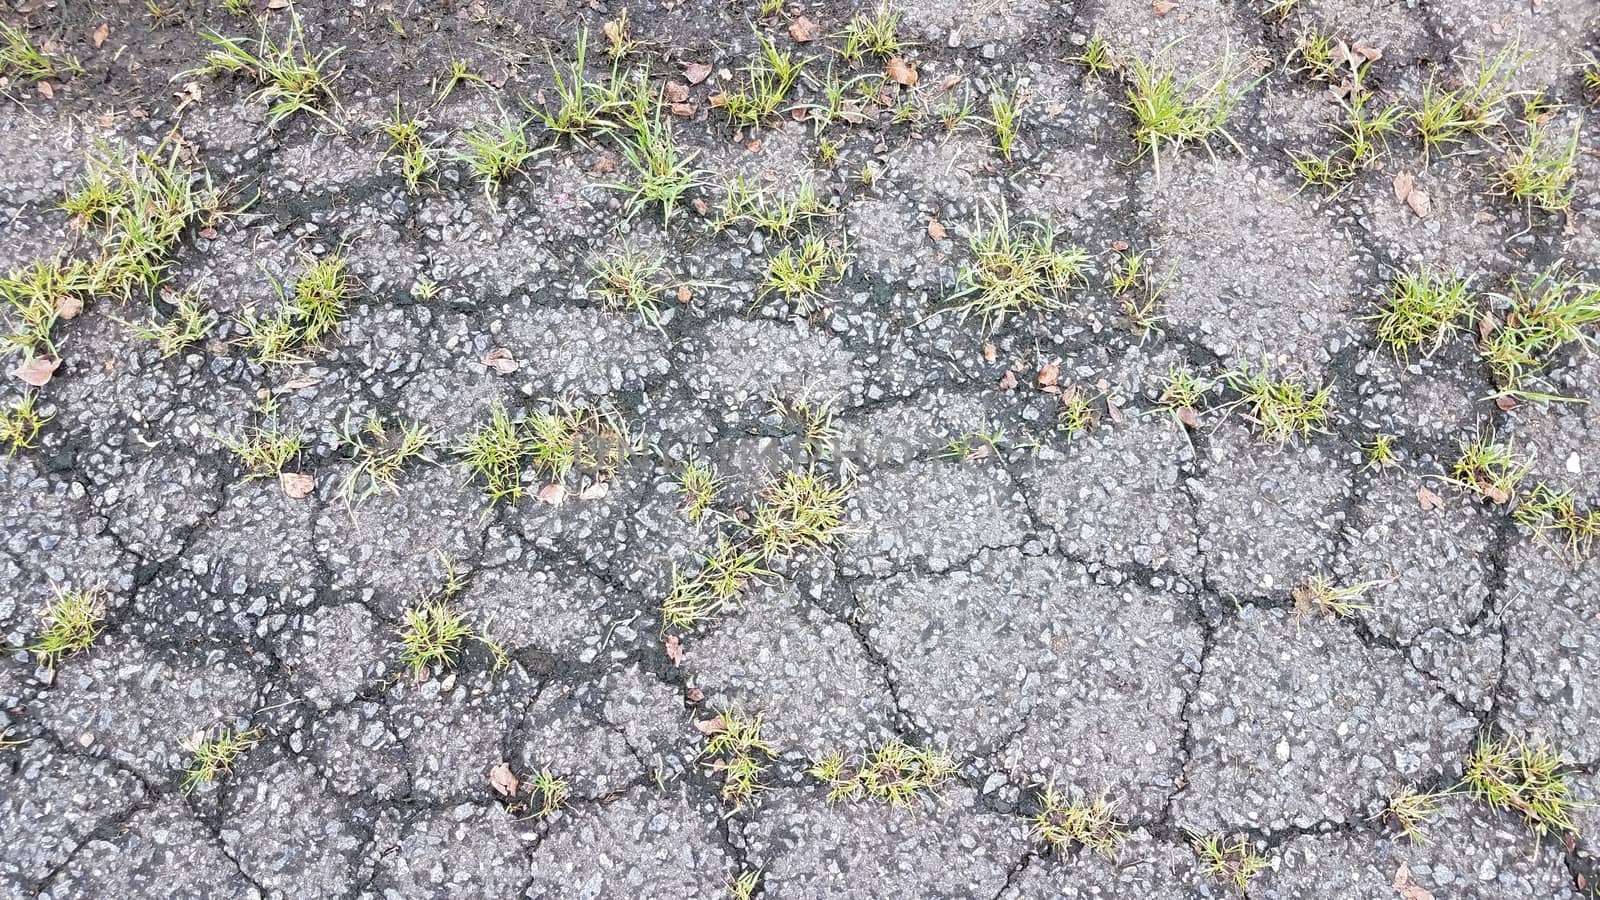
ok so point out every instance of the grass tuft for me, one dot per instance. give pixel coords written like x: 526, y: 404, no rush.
x: 1539, y: 171
x: 20, y: 57
x: 1005, y: 119
x: 1555, y: 520
x: 714, y: 588
x: 433, y: 634
x: 188, y: 324
x: 1539, y: 318
x: 738, y: 754
x: 1447, y: 116
x: 495, y: 153
x: 1410, y: 809
x: 73, y: 619
x: 760, y: 94
x: 1528, y: 779
x: 1065, y: 822
x: 1380, y: 452
x: 662, y: 172
x: 1235, y: 862
x: 634, y: 281
x: 292, y: 78
x: 1319, y: 596
x: 800, y: 510
x: 409, y: 148
x: 1015, y: 270
x: 581, y: 105
x: 380, y: 454
x: 267, y: 449
x: 1283, y: 409
x: 875, y: 33
x: 214, y: 755
x: 895, y: 773
x: 698, y: 483
x: 1420, y: 309
x: 1491, y: 470
x: 1170, y: 114
x: 797, y: 274
x: 20, y: 424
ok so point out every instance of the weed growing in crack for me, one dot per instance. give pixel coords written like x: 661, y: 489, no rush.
x: 1283, y: 409
x: 714, y: 588
x: 1015, y: 270
x: 797, y: 274
x: 1555, y: 520
x: 291, y: 77
x: 188, y: 325
x: 1137, y: 291
x: 632, y: 280
x: 1235, y: 862
x: 1421, y: 309
x: 20, y: 424
x: 876, y: 33
x: 1379, y: 452
x: 494, y: 453
x: 620, y: 43
x: 73, y: 619
x: 380, y: 453
x: 1064, y: 822
x: 1448, y: 115
x: 895, y: 773
x: 1539, y: 171
x: 265, y: 450
x: 6, y: 742
x: 1182, y: 392
x: 812, y: 420
x: 35, y: 298
x: 744, y: 887
x: 974, y: 445
x: 1320, y: 55
x: 495, y: 153
x: 581, y: 105
x: 409, y: 148
x: 760, y: 94
x: 1075, y: 414
x: 662, y: 172
x: 213, y: 755
x: 21, y: 58
x: 1491, y: 470
x: 458, y: 74
x: 736, y: 752
x: 1539, y: 318
x: 1410, y: 809
x: 800, y: 510
x: 1528, y: 779
x: 547, y: 793
x: 1319, y: 596
x: 1005, y: 119
x: 319, y: 295
x: 1173, y: 114
x: 433, y: 636
x: 781, y: 215
x: 1591, y: 78
x: 1097, y: 57
x: 698, y: 483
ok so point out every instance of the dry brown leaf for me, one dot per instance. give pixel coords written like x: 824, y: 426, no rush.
x: 1427, y: 499
x: 990, y: 351
x: 804, y: 31
x: 1370, y: 54
x: 553, y: 494
x: 297, y: 484
x: 936, y: 230
x: 605, y: 165
x: 694, y: 695
x: 901, y: 72
x: 676, y: 92
x: 295, y: 384
x: 674, y: 649
x: 1162, y: 7
x: 754, y: 146
x: 683, y: 110
x: 612, y: 29
x: 1420, y: 203
x: 1113, y: 412
x: 701, y: 206
x: 503, y: 780
x: 1188, y: 416
x: 595, y: 491
x: 277, y: 4
x: 37, y: 371
x: 710, y: 726
x: 694, y: 73
x: 1404, y: 182
x: 1049, y: 375
x: 1495, y: 492
x: 684, y: 294
x: 99, y: 35
x: 46, y: 89
x: 68, y: 306
x: 1008, y: 381
x: 1506, y: 402
x: 500, y: 360
x: 1408, y: 887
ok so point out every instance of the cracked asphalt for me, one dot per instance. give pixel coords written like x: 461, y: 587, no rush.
x: 1111, y: 612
